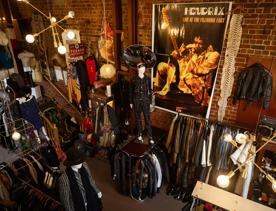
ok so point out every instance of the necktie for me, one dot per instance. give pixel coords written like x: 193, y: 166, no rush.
x: 82, y: 190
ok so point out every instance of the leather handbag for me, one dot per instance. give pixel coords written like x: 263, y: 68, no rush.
x: 267, y: 126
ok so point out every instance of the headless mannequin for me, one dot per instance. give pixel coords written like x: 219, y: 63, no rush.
x: 142, y: 103
x: 28, y: 97
x: 25, y: 58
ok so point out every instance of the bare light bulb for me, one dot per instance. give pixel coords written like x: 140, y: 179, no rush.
x: 71, y: 35
x: 107, y: 71
x: 61, y: 49
x: 16, y: 136
x: 71, y: 14
x: 223, y: 181
x: 274, y: 186
x: 228, y: 137
x: 164, y: 25
x: 53, y: 20
x: 29, y: 38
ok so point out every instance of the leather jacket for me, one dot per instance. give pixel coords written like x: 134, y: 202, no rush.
x: 255, y: 82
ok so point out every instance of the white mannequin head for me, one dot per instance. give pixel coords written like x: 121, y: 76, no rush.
x: 141, y: 69
x: 76, y: 167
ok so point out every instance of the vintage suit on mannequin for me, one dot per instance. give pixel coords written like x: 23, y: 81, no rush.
x: 140, y: 98
x: 77, y: 189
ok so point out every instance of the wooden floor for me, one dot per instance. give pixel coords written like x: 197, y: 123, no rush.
x: 114, y: 201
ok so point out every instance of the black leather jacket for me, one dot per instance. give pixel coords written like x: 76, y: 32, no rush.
x: 255, y: 82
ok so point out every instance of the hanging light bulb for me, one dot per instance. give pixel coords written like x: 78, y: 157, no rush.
x: 71, y: 14
x: 30, y: 38
x: 223, y: 181
x: 61, y: 49
x: 274, y: 186
x: 107, y: 71
x: 53, y: 20
x: 71, y: 35
x: 164, y: 25
x: 16, y: 136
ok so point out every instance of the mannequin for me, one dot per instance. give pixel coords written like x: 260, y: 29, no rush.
x: 30, y: 112
x: 140, y: 100
x: 77, y: 189
x: 25, y: 58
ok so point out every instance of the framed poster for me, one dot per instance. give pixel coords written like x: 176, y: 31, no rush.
x: 187, y: 40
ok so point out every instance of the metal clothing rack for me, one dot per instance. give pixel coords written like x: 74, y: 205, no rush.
x: 204, y: 119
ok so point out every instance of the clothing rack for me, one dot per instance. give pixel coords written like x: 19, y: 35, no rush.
x: 46, y: 195
x: 204, y: 119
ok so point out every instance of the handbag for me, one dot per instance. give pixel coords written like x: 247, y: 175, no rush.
x: 267, y: 126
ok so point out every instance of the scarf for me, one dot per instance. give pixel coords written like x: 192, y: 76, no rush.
x: 93, y: 202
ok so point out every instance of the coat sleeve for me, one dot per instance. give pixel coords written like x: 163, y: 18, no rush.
x: 131, y: 91
x: 240, y: 83
x: 92, y: 181
x: 267, y: 91
x: 65, y: 193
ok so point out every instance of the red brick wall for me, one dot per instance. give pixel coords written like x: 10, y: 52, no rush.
x: 258, y: 39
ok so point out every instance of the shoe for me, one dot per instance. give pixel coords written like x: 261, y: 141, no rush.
x: 151, y: 141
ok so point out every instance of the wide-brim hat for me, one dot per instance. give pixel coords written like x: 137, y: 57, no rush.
x: 74, y: 157
x: 135, y: 54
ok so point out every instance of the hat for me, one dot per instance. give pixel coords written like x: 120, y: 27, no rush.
x: 74, y: 157
x: 136, y: 54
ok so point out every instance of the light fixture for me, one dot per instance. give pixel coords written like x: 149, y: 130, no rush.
x: 71, y: 14
x: 241, y: 138
x: 107, y: 71
x: 53, y: 26
x: 29, y: 38
x: 53, y: 20
x: 164, y: 25
x: 274, y: 185
x: 16, y: 136
x: 61, y: 49
x: 71, y: 35
x: 228, y: 138
x: 223, y: 181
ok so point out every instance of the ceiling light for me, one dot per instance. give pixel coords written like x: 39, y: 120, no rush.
x: 71, y: 14
x: 61, y: 49
x: 223, y: 181
x: 16, y: 136
x: 71, y: 35
x: 53, y: 20
x: 30, y: 38
x: 274, y: 186
x: 107, y: 71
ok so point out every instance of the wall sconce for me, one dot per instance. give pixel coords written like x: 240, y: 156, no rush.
x: 30, y: 38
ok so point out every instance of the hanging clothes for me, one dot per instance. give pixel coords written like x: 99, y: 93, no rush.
x: 255, y: 82
x: 91, y: 67
x: 30, y: 111
x: 84, y: 83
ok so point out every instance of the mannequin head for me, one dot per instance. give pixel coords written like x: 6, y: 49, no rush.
x: 141, y: 69
x: 76, y: 167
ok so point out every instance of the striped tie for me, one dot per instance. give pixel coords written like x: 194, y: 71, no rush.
x: 82, y: 190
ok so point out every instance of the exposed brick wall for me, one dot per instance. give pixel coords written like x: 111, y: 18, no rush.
x: 258, y: 39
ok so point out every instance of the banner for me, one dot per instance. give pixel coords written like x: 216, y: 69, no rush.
x: 188, y: 39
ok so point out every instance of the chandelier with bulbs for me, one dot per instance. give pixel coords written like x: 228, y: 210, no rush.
x: 223, y: 181
x: 30, y: 38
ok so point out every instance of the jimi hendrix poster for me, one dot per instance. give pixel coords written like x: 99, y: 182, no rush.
x: 187, y: 40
